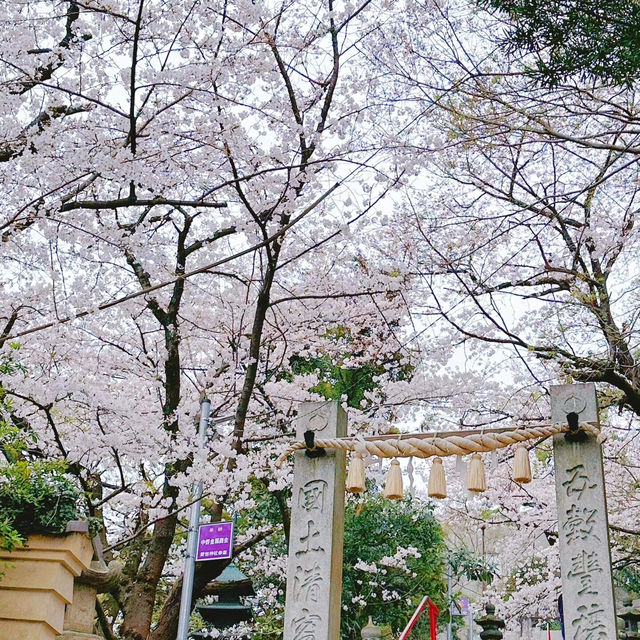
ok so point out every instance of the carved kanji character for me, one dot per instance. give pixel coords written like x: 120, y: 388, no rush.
x: 583, y: 566
x: 312, y: 495
x: 308, y: 539
x: 307, y: 583
x: 305, y: 627
x: 579, y: 523
x: 588, y: 624
x: 578, y: 481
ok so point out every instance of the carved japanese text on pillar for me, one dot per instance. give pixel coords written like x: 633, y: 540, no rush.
x: 310, y: 552
x: 315, y: 545
x: 579, y: 522
x: 305, y: 627
x: 587, y: 589
x: 312, y: 496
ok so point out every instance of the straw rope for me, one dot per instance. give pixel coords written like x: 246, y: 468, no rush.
x: 425, y: 445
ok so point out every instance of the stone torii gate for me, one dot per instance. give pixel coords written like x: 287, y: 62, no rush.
x: 314, y: 574
x: 585, y: 558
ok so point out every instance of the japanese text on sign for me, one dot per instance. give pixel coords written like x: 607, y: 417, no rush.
x: 215, y: 541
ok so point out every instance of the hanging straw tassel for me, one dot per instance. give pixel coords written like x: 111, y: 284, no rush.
x: 521, y: 465
x: 393, y: 486
x: 356, y: 478
x: 437, y: 480
x: 476, y: 479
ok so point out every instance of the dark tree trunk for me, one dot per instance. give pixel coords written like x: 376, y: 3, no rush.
x: 138, y: 608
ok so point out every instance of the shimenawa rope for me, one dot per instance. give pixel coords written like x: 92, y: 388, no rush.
x: 425, y: 445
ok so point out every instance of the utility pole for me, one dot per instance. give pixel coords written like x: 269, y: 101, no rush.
x: 483, y: 528
x: 192, y: 537
x: 450, y: 603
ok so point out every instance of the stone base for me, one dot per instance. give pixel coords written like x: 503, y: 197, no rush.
x: 31, y: 609
x: 25, y: 630
x: 38, y: 584
x: 77, y: 635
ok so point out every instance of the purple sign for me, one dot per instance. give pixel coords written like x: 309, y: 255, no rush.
x: 460, y: 607
x: 215, y: 541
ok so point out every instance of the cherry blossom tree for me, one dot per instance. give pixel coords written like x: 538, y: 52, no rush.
x: 189, y: 200
x: 524, y: 237
x: 250, y: 201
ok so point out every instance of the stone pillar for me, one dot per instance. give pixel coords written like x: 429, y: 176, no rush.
x: 80, y: 614
x: 314, y: 573
x: 585, y: 560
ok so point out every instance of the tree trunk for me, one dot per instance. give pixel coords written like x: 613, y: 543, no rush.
x: 138, y: 608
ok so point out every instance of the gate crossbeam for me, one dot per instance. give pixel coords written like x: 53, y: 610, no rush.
x: 440, y: 443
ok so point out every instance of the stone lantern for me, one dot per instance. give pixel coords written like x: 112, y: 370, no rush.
x: 232, y: 585
x: 371, y: 630
x: 630, y: 613
x: 492, y: 626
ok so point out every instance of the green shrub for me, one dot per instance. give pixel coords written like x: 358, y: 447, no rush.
x: 376, y: 528
x: 36, y: 497
x: 9, y: 537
